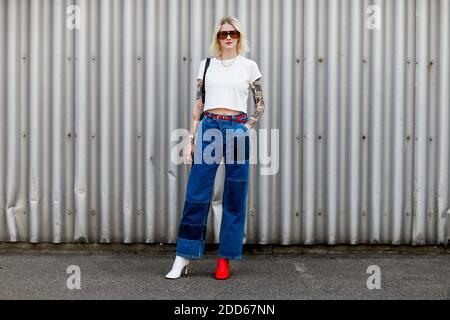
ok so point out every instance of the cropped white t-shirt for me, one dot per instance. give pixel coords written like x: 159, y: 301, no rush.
x: 228, y: 87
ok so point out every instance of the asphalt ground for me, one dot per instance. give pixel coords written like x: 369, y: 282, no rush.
x: 293, y: 276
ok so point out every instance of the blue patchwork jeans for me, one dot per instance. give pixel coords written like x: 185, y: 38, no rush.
x: 216, y: 139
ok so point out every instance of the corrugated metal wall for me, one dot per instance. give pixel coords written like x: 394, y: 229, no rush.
x: 86, y: 117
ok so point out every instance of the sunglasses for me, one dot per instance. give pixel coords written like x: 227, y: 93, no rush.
x: 224, y: 34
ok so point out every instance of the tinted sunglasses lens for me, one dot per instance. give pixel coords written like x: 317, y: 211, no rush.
x: 234, y: 34
x: 224, y: 34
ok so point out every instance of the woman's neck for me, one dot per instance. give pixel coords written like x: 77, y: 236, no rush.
x: 228, y: 54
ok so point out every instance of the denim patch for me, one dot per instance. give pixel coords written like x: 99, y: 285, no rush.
x: 235, y: 195
x: 194, y: 212
x: 192, y: 232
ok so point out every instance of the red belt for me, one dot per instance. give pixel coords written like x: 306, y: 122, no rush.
x: 237, y: 117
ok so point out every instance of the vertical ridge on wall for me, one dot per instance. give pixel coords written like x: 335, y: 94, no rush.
x: 265, y: 191
x: 69, y: 122
x: 172, y: 107
x: 151, y: 98
x: 409, y: 125
x: 331, y: 132
x: 342, y: 228
x: 118, y: 74
x: 45, y: 221
x: 288, y: 132
x: 11, y: 116
x: 375, y: 139
x: 82, y: 124
x: 22, y: 216
x: 309, y: 119
x: 399, y: 119
x: 3, y: 109
x: 263, y: 32
x: 92, y: 114
x: 297, y: 154
x: 164, y: 112
x: 36, y: 120
x: 386, y: 124
x: 431, y: 221
x: 58, y: 105
x: 443, y: 123
x: 355, y: 130
x: 105, y: 132
x: 420, y: 123
x: 128, y: 156
x: 138, y: 132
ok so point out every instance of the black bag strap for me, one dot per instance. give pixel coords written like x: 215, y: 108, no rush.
x: 204, y: 80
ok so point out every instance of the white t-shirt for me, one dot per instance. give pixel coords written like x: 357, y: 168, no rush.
x: 228, y: 87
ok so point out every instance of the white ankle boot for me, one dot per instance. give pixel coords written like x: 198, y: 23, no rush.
x: 179, y: 264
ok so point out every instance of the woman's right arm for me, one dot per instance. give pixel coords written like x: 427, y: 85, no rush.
x: 198, y: 106
x: 196, y: 113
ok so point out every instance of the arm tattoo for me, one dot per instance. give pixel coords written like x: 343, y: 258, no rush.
x: 199, y: 89
x: 256, y: 89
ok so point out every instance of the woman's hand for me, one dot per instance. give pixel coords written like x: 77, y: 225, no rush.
x: 189, y: 152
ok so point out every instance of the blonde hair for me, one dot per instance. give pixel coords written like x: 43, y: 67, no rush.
x: 215, y: 49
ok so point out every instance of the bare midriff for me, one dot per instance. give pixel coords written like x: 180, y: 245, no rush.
x: 223, y: 111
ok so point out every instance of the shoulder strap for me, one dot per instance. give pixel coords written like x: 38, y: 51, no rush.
x: 204, y: 80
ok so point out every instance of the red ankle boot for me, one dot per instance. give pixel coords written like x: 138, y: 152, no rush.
x: 222, y: 271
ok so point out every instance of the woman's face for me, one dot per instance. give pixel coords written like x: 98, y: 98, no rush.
x: 231, y: 40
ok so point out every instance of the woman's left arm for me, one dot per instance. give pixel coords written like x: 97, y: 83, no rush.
x: 256, y: 89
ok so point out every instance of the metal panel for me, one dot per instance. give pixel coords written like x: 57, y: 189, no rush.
x: 361, y: 114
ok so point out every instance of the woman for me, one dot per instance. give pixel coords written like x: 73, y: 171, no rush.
x: 229, y: 78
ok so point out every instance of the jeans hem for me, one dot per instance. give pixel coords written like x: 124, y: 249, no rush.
x: 189, y: 256
x: 190, y: 249
x: 230, y: 257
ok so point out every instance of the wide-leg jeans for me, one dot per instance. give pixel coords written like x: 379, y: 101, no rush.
x: 216, y: 139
